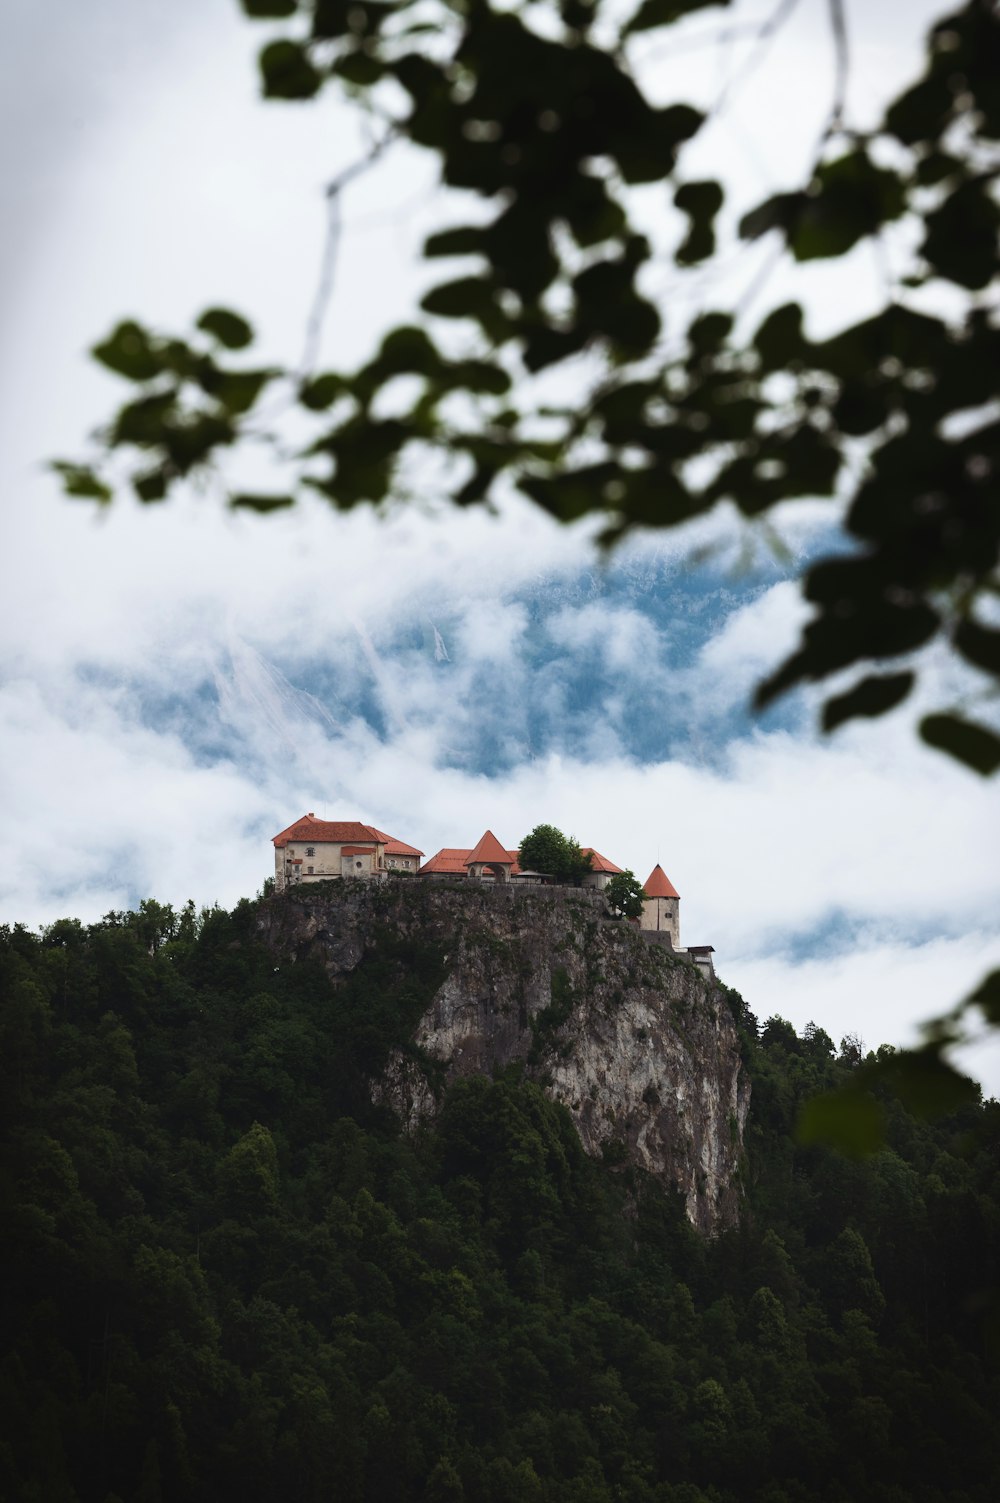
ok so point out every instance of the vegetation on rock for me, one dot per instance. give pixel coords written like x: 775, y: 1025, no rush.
x: 228, y: 1274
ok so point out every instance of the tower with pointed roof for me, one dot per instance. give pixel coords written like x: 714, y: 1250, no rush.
x: 661, y: 906
x: 489, y: 855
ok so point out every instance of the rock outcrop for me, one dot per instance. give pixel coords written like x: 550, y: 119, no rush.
x: 637, y: 1043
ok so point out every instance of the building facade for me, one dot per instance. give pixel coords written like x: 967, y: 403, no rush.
x: 321, y: 850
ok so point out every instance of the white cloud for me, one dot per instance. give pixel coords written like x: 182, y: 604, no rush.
x: 878, y: 990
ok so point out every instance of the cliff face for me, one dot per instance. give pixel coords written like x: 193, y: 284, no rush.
x: 637, y: 1044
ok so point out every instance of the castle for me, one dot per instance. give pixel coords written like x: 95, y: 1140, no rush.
x: 321, y: 850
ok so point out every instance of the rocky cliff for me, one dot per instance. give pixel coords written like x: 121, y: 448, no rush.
x: 636, y: 1043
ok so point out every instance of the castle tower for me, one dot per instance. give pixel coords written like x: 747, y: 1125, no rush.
x: 490, y: 857
x: 661, y: 906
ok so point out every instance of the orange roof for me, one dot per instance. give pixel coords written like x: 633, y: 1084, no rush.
x: 455, y: 860
x: 599, y: 863
x: 337, y: 831
x: 658, y: 884
x: 448, y: 859
x: 490, y: 850
x: 397, y: 847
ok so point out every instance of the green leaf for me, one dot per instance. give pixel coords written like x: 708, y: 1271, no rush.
x: 987, y: 996
x: 872, y: 696
x: 701, y: 200
x: 979, y: 644
x: 408, y: 348
x: 287, y: 72
x: 464, y: 240
x: 237, y: 391
x: 152, y: 486
x: 468, y: 297
x: 141, y: 423
x: 227, y: 327
x: 849, y: 1120
x: 709, y: 332
x: 480, y: 377
x: 80, y: 480
x: 359, y: 68
x: 967, y: 742
x: 190, y: 442
x: 129, y: 352
x: 935, y: 167
x: 269, y: 9
x: 780, y: 340
x: 322, y: 391
x: 853, y: 198
x: 263, y: 504
x: 961, y: 239
x: 781, y: 212
x: 925, y: 1083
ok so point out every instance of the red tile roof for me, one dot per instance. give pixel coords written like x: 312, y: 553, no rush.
x: 397, y: 847
x: 448, y: 859
x: 658, y: 884
x: 336, y: 831
x: 489, y: 849
x: 599, y: 863
x: 454, y: 860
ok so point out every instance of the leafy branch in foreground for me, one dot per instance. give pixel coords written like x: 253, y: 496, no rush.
x: 548, y: 292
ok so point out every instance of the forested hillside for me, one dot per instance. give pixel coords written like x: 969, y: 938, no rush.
x: 229, y: 1276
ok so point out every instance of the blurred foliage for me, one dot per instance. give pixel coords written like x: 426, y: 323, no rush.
x: 538, y: 112
x: 227, y: 1274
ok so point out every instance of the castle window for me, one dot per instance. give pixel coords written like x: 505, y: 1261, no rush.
x: 309, y: 870
x: 310, y: 850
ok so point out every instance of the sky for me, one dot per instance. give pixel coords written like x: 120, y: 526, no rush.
x: 179, y: 683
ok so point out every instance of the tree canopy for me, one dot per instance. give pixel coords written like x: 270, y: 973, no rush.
x: 624, y: 893
x: 542, y: 119
x: 549, y: 851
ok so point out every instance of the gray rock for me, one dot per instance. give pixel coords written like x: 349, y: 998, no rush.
x: 635, y: 1042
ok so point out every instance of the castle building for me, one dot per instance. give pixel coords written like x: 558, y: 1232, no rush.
x: 488, y: 861
x: 322, y: 850
x: 661, y: 920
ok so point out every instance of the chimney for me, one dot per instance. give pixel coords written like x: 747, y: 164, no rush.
x: 310, y: 815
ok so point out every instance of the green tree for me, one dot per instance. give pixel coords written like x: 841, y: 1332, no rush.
x: 549, y: 851
x: 625, y: 894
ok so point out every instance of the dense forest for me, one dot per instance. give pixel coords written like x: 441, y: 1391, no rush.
x: 229, y: 1275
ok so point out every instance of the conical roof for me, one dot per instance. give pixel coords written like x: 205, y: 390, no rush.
x: 659, y: 885
x: 489, y: 850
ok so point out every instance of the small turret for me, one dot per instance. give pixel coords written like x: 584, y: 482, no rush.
x: 661, y: 906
